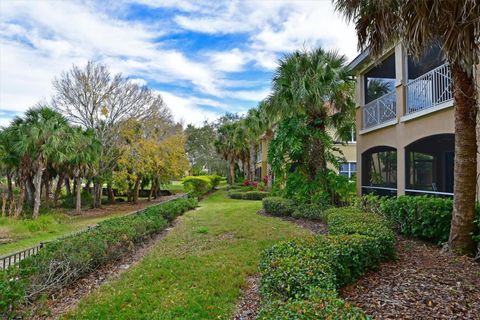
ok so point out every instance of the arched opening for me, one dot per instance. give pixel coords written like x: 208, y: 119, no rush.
x: 429, y: 165
x: 379, y: 171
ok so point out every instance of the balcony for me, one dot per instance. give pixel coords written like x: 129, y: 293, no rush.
x: 380, y: 111
x: 431, y: 91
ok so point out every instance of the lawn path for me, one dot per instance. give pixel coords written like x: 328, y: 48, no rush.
x: 198, y: 270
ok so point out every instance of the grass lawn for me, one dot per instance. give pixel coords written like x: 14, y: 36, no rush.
x: 55, y: 223
x: 195, y: 272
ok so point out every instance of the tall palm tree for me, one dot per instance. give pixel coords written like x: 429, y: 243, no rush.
x: 43, y: 137
x: 253, y: 128
x: 227, y: 147
x: 313, y: 83
x: 455, y: 26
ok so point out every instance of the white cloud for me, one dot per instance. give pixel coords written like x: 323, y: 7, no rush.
x: 187, y: 109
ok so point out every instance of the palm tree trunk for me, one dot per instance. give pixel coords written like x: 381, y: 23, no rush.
x: 67, y: 186
x: 252, y: 161
x: 78, y: 197
x: 232, y: 171
x: 37, y: 182
x: 58, y: 189
x: 465, y: 167
x: 21, y: 196
x: 46, y: 187
x: 30, y: 190
x: 10, y: 187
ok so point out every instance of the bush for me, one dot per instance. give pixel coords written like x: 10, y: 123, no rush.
x: 309, y: 211
x: 215, y: 180
x: 250, y: 195
x: 423, y: 217
x: 65, y: 260
x: 278, y: 206
x: 197, y: 186
x: 300, y: 277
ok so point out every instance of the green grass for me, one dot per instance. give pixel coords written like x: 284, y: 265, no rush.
x: 195, y: 272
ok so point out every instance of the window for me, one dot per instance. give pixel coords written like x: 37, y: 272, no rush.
x: 347, y: 169
x: 353, y: 137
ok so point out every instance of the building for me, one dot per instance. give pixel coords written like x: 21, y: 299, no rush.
x: 261, y: 165
x: 405, y: 123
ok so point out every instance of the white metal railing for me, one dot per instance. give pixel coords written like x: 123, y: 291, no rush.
x: 380, y: 110
x: 430, y: 192
x: 429, y: 90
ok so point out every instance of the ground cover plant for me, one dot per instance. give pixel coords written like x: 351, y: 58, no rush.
x: 65, y: 260
x: 198, y: 270
x: 299, y: 278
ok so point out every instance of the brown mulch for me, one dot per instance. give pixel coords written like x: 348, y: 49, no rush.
x: 67, y: 298
x: 249, y: 305
x: 424, y: 282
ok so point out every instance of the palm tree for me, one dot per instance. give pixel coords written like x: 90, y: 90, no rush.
x: 84, y: 161
x: 226, y: 145
x: 314, y: 83
x: 253, y: 130
x: 43, y: 137
x: 455, y: 26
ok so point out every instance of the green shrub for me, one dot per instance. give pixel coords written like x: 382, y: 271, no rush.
x: 197, y: 186
x: 299, y: 278
x: 63, y: 261
x: 278, y: 206
x: 215, y: 180
x: 251, y: 195
x: 309, y: 211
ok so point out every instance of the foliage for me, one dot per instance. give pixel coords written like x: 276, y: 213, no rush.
x: 68, y: 201
x: 423, y: 217
x: 309, y: 211
x: 249, y: 195
x: 278, y: 206
x: 63, y: 261
x: 200, y: 148
x: 300, y: 276
x: 198, y: 186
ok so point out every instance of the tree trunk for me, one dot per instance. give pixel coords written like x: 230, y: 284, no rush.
x: 269, y: 176
x: 78, y: 201
x: 232, y: 171
x: 157, y: 186
x: 97, y: 194
x: 136, y: 188
x: 465, y: 167
x: 152, y: 188
x: 253, y: 161
x: 58, y: 189
x: 37, y: 182
x: 46, y: 187
x: 21, y: 196
x: 30, y: 190
x: 111, y: 194
x: 10, y: 187
x: 67, y: 186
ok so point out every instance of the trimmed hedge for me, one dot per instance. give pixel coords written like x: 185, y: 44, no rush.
x: 424, y: 217
x: 309, y: 211
x: 63, y: 261
x: 250, y: 195
x: 278, y: 206
x: 198, y: 186
x: 300, y: 277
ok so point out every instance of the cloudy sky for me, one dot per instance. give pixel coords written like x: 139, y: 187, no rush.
x: 204, y: 57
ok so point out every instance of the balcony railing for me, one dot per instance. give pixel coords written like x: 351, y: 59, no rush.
x: 430, y: 90
x: 380, y: 110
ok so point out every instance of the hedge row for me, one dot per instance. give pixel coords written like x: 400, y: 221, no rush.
x: 424, y: 217
x: 282, y: 207
x: 63, y: 261
x: 198, y: 186
x: 300, y: 278
x: 249, y: 195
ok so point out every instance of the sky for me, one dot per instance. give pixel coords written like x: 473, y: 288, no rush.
x: 204, y: 57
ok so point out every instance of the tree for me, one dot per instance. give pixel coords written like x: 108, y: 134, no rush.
x: 314, y: 84
x: 226, y: 145
x: 94, y: 99
x: 455, y: 26
x: 201, y: 151
x: 43, y: 137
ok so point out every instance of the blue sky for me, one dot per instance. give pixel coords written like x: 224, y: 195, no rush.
x: 203, y: 57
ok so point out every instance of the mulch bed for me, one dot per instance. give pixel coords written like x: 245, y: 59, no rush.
x: 424, y: 282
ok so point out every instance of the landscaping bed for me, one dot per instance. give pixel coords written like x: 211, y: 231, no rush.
x: 423, y: 282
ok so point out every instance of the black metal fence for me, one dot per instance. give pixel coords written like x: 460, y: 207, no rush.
x: 15, y: 257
